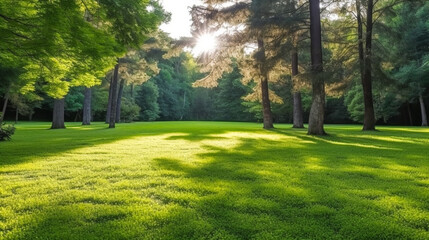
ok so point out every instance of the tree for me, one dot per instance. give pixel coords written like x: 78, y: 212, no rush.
x: 147, y: 100
x: 317, y: 111
x: 258, y: 24
x: 298, y: 118
x: 86, y: 119
x: 411, y: 54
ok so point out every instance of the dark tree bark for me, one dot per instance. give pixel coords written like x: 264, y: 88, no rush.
x: 86, y: 119
x: 317, y: 111
x: 58, y: 114
x: 369, y: 115
x: 360, y: 39
x: 3, y: 112
x: 114, y: 86
x: 410, y: 116
x: 132, y: 90
x: 266, y: 106
x: 298, y: 120
x: 16, y: 115
x: 423, y: 111
x: 109, y: 101
x: 119, y: 101
x: 77, y: 116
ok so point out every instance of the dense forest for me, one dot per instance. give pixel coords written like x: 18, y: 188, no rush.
x: 375, y: 62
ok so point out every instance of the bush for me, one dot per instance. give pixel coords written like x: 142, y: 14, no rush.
x: 6, y: 131
x: 129, y: 111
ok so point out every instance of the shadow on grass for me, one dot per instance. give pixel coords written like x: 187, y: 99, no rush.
x: 266, y: 191
x: 37, y: 141
x: 359, y: 186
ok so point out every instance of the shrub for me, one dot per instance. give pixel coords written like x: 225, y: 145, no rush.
x: 129, y: 111
x: 6, y: 131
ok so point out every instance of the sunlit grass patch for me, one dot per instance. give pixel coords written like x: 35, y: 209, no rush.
x: 213, y: 180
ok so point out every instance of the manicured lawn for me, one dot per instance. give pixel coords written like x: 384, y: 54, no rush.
x: 208, y: 180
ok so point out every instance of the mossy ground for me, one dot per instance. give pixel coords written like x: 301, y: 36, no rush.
x: 213, y: 180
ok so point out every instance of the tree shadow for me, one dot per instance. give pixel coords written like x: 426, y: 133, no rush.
x: 290, y: 186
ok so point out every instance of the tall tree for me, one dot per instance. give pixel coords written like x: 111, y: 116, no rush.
x: 317, y: 111
x: 87, y: 107
x: 298, y: 119
x: 58, y: 114
x: 263, y: 25
x: 114, y: 86
x: 369, y: 116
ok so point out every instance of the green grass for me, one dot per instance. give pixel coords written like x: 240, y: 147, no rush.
x: 213, y: 180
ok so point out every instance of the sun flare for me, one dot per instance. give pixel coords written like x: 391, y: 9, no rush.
x: 206, y: 43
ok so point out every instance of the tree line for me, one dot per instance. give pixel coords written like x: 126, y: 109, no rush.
x: 276, y: 61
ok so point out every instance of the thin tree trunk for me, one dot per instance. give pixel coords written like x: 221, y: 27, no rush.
x: 76, y: 117
x: 16, y: 115
x: 114, y: 86
x: 184, y: 104
x: 423, y: 111
x: 360, y: 39
x: 132, y: 90
x: 30, y: 117
x: 109, y: 101
x: 3, y: 112
x: 86, y: 119
x: 410, y: 116
x: 58, y: 114
x: 266, y: 106
x: 369, y: 115
x: 298, y: 120
x: 317, y: 111
x: 119, y: 101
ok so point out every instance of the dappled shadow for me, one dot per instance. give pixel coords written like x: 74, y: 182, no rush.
x: 51, y: 142
x: 279, y: 184
x: 306, y: 194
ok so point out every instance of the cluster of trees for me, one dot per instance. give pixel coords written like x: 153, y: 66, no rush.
x: 375, y: 53
x: 97, y: 60
x: 47, y: 47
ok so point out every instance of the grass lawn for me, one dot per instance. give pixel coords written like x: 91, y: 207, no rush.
x: 213, y: 180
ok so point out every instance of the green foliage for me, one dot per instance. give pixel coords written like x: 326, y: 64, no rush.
x: 129, y: 110
x: 6, y: 131
x: 219, y: 180
x: 354, y: 101
x: 386, y: 103
x: 74, y: 99
x: 61, y: 44
x: 147, y: 100
x: 410, y: 51
x: 229, y: 97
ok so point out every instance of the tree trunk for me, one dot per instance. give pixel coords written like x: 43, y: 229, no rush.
x: 76, y: 117
x: 109, y: 101
x: 369, y: 115
x: 266, y: 106
x: 317, y: 111
x: 119, y: 101
x: 3, y: 112
x: 114, y: 86
x: 30, y: 117
x: 58, y: 114
x: 16, y: 115
x: 423, y: 111
x: 132, y: 90
x: 86, y: 119
x: 410, y: 116
x: 298, y: 119
x: 360, y: 39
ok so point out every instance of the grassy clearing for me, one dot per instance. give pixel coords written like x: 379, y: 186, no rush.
x: 207, y: 180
